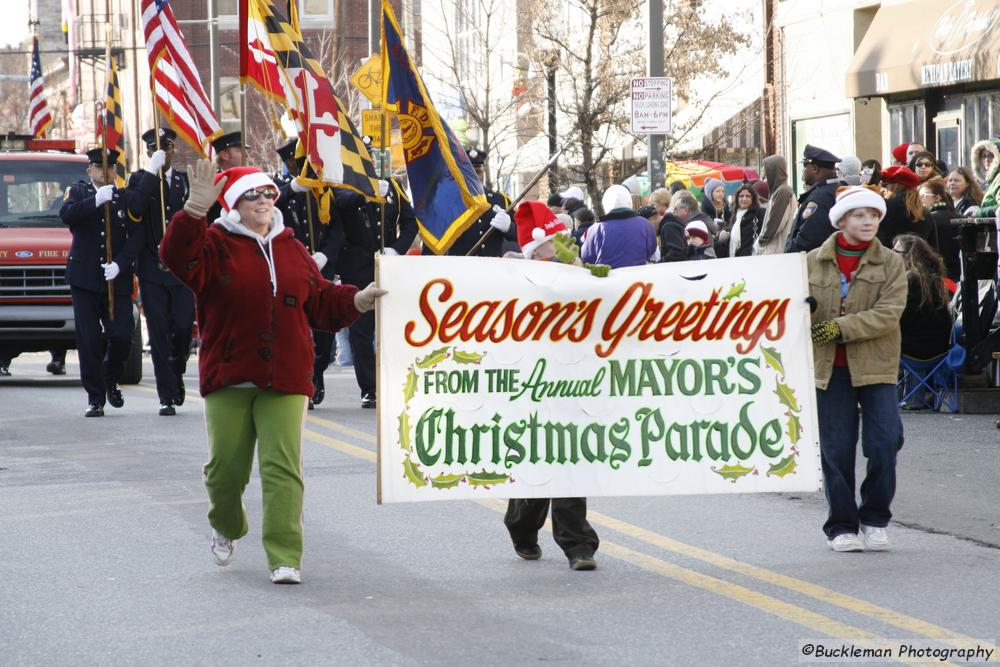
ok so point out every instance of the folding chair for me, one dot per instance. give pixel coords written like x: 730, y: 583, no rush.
x: 932, y: 383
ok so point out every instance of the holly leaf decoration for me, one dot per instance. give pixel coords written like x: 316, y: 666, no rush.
x: 413, y: 473
x: 773, y: 359
x: 410, y: 388
x: 794, y: 428
x: 404, y: 431
x: 735, y: 290
x: 444, y: 481
x: 787, y: 397
x: 467, y: 357
x: 785, y: 466
x: 434, y: 358
x: 732, y: 471
x: 483, y: 478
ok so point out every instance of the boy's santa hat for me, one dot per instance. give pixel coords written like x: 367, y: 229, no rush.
x: 536, y: 224
x: 699, y: 229
x: 856, y: 196
x: 240, y: 180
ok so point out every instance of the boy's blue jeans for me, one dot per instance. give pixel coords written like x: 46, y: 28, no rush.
x: 881, y: 437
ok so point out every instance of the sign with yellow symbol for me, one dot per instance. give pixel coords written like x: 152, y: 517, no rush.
x: 368, y: 79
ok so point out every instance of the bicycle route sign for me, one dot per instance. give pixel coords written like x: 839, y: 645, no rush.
x: 651, y: 105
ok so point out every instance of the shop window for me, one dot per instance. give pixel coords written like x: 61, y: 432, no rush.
x: 830, y: 132
x: 994, y: 116
x: 983, y: 123
x: 907, y: 123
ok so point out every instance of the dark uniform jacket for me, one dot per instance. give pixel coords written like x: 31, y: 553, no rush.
x: 148, y: 264
x: 86, y: 221
x: 300, y: 212
x: 362, y: 232
x: 811, y: 225
x: 470, y: 237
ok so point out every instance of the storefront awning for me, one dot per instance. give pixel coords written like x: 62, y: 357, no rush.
x: 927, y: 44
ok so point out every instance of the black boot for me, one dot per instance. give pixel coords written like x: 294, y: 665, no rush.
x: 115, y: 396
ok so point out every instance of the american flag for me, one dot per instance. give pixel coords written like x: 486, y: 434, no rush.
x: 179, y: 93
x: 39, y: 117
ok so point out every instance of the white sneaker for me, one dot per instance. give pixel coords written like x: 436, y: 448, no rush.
x: 846, y: 542
x: 222, y: 548
x: 285, y: 575
x: 876, y: 538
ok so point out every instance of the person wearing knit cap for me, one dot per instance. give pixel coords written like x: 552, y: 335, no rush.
x: 899, y: 154
x: 849, y: 170
x: 859, y: 287
x: 699, y: 240
x: 543, y: 237
x: 904, y: 212
x: 621, y: 238
x: 258, y: 293
x: 811, y: 226
x: 715, y: 206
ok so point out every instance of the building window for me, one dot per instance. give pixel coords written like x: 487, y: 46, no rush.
x: 830, y: 132
x: 907, y: 123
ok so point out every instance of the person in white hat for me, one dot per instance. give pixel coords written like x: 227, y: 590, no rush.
x: 859, y: 287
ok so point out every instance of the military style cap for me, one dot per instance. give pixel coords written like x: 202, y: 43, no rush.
x: 476, y: 155
x: 167, y: 138
x: 819, y: 157
x: 229, y: 140
x: 95, y: 156
x: 286, y: 151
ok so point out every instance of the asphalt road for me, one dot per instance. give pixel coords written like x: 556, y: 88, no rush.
x: 104, y: 556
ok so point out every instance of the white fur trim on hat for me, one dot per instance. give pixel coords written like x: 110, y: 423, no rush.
x: 244, y: 184
x: 856, y: 197
x: 616, y: 196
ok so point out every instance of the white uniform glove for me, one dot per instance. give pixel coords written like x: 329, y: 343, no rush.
x: 364, y: 300
x: 111, y: 271
x: 320, y: 259
x: 383, y: 188
x: 104, y: 194
x: 391, y: 252
x: 156, y: 162
x: 298, y: 187
x: 501, y: 220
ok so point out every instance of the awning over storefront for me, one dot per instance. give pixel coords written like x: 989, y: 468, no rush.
x: 927, y: 44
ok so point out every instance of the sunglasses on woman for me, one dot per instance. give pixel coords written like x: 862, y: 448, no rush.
x: 257, y: 193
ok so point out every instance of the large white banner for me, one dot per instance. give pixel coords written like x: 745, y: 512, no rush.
x: 511, y: 378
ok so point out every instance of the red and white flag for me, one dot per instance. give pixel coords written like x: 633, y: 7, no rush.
x: 39, y: 117
x: 179, y: 93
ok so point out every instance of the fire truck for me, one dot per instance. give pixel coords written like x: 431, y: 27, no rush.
x: 36, y: 311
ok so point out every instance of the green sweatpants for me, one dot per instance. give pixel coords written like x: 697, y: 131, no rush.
x: 239, y: 418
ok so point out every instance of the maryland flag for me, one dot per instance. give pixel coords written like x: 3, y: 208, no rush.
x: 111, y: 124
x: 276, y: 60
x: 447, y: 194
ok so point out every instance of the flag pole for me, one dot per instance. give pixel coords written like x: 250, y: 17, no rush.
x: 382, y: 174
x: 159, y: 173
x: 104, y: 164
x: 524, y: 191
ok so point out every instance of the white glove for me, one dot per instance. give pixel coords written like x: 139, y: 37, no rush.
x: 501, y: 220
x: 156, y: 162
x: 111, y: 271
x: 364, y: 300
x: 298, y: 187
x: 320, y: 259
x: 383, y: 188
x: 104, y: 194
x: 391, y: 252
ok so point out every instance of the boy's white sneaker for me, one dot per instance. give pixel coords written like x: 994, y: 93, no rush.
x: 285, y: 575
x: 876, y: 538
x: 222, y: 548
x: 846, y: 542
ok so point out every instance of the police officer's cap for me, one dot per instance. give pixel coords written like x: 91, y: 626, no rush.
x: 477, y: 156
x: 95, y: 156
x: 167, y: 138
x: 286, y: 151
x: 819, y: 157
x: 229, y: 140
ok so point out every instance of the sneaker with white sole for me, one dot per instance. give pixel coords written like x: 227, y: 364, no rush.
x: 846, y: 542
x: 285, y: 575
x: 876, y: 538
x: 222, y: 548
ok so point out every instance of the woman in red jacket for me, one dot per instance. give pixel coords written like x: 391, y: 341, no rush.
x: 258, y: 294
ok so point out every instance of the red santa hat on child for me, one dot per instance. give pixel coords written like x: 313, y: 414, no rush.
x: 536, y: 224
x: 240, y: 181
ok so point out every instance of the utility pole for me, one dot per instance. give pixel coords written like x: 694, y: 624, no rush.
x: 213, y: 51
x: 655, y: 149
x: 550, y: 87
x: 769, y: 101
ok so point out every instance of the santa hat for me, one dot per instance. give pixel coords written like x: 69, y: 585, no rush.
x: 536, y: 224
x: 240, y: 180
x: 899, y: 152
x: 856, y: 196
x: 699, y: 229
x: 901, y: 175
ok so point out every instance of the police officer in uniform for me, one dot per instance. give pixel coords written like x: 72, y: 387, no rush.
x: 299, y: 211
x: 228, y: 153
x: 98, y: 336
x: 356, y: 265
x: 496, y: 217
x: 812, y: 221
x: 167, y: 303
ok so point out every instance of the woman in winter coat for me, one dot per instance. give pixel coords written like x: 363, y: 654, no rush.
x: 926, y: 323
x: 943, y: 235
x: 986, y: 163
x: 964, y: 191
x: 781, y: 207
x: 903, y: 212
x: 746, y: 224
x: 258, y: 295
